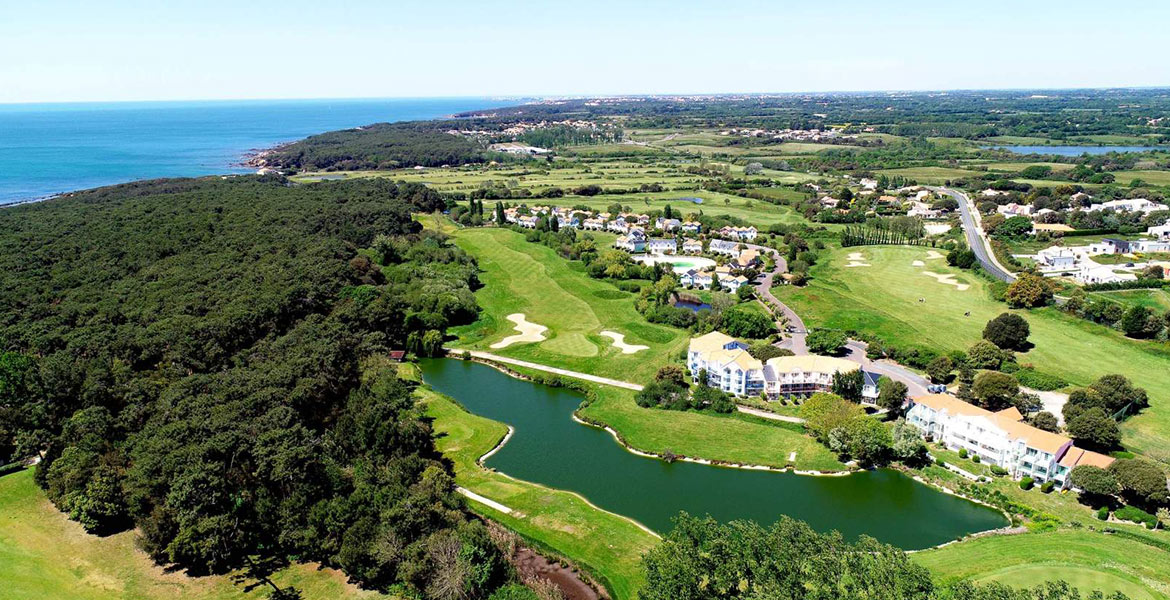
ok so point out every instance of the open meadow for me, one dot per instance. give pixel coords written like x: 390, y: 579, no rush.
x: 905, y: 305
x: 45, y: 555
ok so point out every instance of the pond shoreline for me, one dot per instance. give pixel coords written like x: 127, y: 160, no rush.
x: 1008, y: 529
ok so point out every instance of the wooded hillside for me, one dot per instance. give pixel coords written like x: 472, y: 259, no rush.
x: 199, y: 359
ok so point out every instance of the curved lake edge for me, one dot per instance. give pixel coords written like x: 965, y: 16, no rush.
x: 504, y: 440
x: 1008, y: 529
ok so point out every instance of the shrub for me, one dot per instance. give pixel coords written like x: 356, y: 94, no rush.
x: 1026, y: 483
x: 1039, y: 381
x: 940, y: 462
x: 1047, y: 487
x: 962, y: 453
x: 1136, y: 515
x: 998, y: 471
x: 975, y: 458
x: 1103, y: 513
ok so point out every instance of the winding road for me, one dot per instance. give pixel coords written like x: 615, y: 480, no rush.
x: 976, y: 238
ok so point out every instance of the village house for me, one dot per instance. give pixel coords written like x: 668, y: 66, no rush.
x: 1012, y: 209
x: 1051, y: 228
x: 1080, y: 199
x: 570, y: 221
x: 728, y: 282
x: 1056, y: 257
x: 595, y: 224
x: 662, y: 224
x: 739, y: 233
x: 923, y: 210
x: 829, y: 202
x: 1000, y: 438
x: 1141, y: 205
x: 527, y: 221
x: 662, y: 246
x: 1095, y: 273
x: 618, y: 225
x: 634, y: 241
x: 990, y: 193
x: 730, y: 368
x: 695, y: 279
x: 748, y: 258
x: 692, y: 227
x: 724, y: 247
x: 1161, y: 232
x: 693, y: 247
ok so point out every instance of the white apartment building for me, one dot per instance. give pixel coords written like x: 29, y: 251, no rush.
x: 1131, y: 205
x: 730, y: 368
x: 693, y: 247
x: 999, y: 438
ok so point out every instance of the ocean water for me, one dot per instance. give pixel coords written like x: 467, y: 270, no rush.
x: 47, y: 149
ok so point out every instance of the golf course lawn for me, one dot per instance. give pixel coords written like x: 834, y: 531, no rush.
x: 884, y: 299
x: 1159, y: 300
x: 528, y: 278
x: 44, y: 555
x: 1087, y: 559
x: 735, y: 438
x: 608, y: 545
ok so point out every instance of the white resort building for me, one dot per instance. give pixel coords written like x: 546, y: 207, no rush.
x: 1000, y: 438
x: 662, y: 246
x: 730, y: 368
x: 693, y: 247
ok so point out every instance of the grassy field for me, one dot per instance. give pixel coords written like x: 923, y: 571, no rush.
x: 1086, y: 559
x: 883, y: 299
x: 521, y: 277
x: 1150, y: 177
x: 1158, y: 300
x: 44, y: 555
x: 734, y: 438
x: 608, y: 545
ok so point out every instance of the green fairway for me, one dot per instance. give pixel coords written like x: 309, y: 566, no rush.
x: 1086, y: 559
x: 883, y: 299
x: 522, y: 277
x: 608, y: 545
x: 731, y: 438
x: 43, y: 555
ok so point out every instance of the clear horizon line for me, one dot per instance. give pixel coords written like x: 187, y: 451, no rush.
x: 589, y: 95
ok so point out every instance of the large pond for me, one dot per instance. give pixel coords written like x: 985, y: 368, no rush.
x: 549, y: 448
x: 1076, y: 150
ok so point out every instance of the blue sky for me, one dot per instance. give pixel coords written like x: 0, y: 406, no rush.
x: 57, y: 51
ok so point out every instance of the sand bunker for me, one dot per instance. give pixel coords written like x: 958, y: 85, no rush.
x: 934, y: 255
x: 948, y: 279
x: 529, y: 332
x: 918, y: 263
x: 619, y: 342
x: 857, y: 259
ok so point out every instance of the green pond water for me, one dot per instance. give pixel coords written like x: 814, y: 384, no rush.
x: 549, y: 448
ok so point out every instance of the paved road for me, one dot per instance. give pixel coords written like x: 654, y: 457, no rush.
x: 539, y: 367
x: 976, y: 238
x: 763, y: 414
x: 795, y: 340
x: 916, y: 384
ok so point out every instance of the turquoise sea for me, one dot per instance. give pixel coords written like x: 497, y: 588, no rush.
x: 47, y: 149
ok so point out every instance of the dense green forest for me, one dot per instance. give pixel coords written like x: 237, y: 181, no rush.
x: 200, y: 359
x: 379, y: 146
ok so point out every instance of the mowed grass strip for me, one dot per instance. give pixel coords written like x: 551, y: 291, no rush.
x: 733, y: 438
x: 523, y: 277
x: 883, y: 299
x: 1087, y: 559
x: 608, y: 545
x: 44, y: 555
